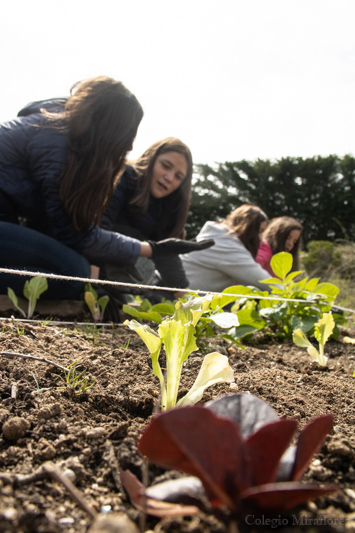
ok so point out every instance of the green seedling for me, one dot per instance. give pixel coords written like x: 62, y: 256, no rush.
x: 177, y: 335
x: 322, y: 331
x: 32, y: 290
x: 39, y: 390
x: 96, y: 305
x: 75, y: 380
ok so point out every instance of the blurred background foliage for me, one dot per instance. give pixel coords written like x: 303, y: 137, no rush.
x: 318, y: 191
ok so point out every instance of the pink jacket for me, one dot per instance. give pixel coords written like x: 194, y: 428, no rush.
x: 264, y: 256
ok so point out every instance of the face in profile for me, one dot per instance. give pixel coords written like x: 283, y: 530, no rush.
x: 169, y: 171
x: 292, y: 239
x: 263, y: 227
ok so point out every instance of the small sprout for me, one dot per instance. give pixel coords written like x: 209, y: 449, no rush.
x: 76, y: 380
x: 32, y: 290
x: 39, y: 390
x: 322, y: 331
x: 96, y: 305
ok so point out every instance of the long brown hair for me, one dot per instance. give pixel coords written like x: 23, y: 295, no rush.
x: 102, y: 119
x: 245, y: 222
x: 176, y: 205
x: 276, y: 235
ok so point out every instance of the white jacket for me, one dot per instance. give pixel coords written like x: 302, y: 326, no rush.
x: 226, y: 263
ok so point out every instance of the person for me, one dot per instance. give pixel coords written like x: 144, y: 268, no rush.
x: 283, y: 234
x: 151, y: 202
x: 231, y: 261
x: 59, y: 162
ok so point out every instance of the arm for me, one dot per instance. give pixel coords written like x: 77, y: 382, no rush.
x: 241, y: 266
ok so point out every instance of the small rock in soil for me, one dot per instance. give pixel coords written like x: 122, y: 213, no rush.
x: 113, y: 523
x: 15, y: 428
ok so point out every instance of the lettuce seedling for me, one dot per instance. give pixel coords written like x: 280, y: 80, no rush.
x: 177, y: 335
x: 32, y: 290
x: 322, y: 331
x: 246, y: 467
x: 96, y: 305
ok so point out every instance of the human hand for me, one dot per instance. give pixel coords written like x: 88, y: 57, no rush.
x: 178, y: 246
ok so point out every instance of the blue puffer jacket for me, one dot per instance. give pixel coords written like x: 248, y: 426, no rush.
x: 32, y: 156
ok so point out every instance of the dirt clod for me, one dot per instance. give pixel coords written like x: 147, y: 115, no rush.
x: 15, y: 428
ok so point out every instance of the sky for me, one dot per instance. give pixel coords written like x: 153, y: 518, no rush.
x: 233, y: 79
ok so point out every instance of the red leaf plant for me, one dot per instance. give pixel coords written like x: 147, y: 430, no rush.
x: 240, y: 461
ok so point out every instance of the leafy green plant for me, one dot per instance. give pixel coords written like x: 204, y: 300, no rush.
x: 213, y: 316
x: 303, y: 303
x: 32, y: 290
x: 322, y: 331
x: 75, y: 380
x: 177, y: 335
x: 238, y: 458
x: 96, y: 305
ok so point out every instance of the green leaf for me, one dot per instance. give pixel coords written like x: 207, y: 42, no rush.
x: 241, y: 331
x: 304, y: 323
x: 90, y: 288
x: 153, y: 343
x: 225, y: 320
x: 192, y: 310
x: 163, y: 309
x: 312, y: 283
x: 14, y: 300
x: 250, y: 317
x: 219, y: 301
x: 179, y: 342
x: 292, y: 275
x: 214, y: 369
x: 230, y: 338
x: 281, y: 264
x: 324, y: 328
x: 276, y: 312
x: 271, y: 281
x: 143, y: 315
x: 90, y: 301
x: 327, y: 289
x: 33, y: 290
x: 300, y: 339
x: 102, y: 303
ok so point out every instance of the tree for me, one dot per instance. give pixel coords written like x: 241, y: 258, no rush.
x: 318, y: 191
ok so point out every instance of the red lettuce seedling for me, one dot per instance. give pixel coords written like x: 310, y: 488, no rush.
x: 238, y: 464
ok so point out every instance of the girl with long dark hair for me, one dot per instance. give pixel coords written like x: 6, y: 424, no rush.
x: 231, y: 261
x: 283, y: 234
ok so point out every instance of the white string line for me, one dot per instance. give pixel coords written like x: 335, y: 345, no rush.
x: 155, y: 287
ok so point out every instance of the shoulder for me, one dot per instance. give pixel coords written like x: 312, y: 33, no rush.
x: 265, y: 249
x: 54, y: 105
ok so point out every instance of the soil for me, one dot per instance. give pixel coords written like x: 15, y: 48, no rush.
x: 88, y: 437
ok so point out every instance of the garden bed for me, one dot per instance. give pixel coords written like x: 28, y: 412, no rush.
x: 91, y: 435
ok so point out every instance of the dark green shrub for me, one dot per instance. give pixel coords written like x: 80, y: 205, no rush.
x: 321, y: 256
